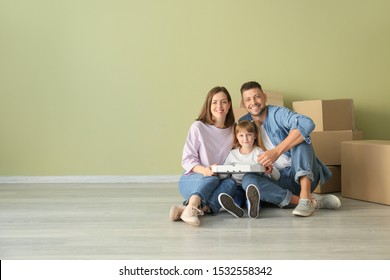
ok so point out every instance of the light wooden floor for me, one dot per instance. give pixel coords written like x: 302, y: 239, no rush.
x: 130, y: 221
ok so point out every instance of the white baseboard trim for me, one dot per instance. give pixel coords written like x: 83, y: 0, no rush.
x: 87, y: 179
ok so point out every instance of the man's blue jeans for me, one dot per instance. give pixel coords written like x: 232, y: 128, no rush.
x: 303, y: 163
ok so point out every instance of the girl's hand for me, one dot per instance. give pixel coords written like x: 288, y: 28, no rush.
x: 268, y: 169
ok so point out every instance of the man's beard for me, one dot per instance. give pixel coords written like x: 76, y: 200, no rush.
x: 261, y: 112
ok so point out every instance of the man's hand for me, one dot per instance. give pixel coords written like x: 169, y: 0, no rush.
x: 267, y: 158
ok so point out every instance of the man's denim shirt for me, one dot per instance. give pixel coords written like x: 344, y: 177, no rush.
x: 279, y: 122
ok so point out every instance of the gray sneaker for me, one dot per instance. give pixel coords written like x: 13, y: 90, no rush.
x: 253, y: 198
x: 329, y: 201
x: 230, y: 206
x: 304, y: 208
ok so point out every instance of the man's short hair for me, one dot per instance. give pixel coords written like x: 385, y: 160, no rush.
x: 250, y: 85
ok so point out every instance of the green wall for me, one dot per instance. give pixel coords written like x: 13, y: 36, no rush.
x: 111, y: 87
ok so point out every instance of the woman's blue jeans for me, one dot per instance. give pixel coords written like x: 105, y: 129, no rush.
x: 207, y: 187
x: 303, y: 163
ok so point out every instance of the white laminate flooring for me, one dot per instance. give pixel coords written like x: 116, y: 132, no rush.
x: 130, y: 221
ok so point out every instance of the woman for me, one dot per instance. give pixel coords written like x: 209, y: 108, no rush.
x: 208, y: 143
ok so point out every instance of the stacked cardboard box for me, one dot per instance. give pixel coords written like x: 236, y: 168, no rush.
x: 327, y: 144
x: 365, y: 173
x: 335, y: 123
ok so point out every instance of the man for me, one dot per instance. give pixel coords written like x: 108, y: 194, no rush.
x: 286, y: 136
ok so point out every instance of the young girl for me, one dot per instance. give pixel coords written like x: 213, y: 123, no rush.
x: 247, y: 145
x: 208, y: 142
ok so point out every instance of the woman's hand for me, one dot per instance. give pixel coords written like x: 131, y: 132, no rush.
x: 204, y: 170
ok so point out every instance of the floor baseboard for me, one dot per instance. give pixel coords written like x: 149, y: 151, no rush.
x: 88, y: 179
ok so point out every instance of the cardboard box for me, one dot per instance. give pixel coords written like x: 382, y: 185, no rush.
x: 328, y: 115
x: 327, y: 144
x: 274, y: 98
x: 334, y: 183
x: 239, y: 112
x: 365, y: 170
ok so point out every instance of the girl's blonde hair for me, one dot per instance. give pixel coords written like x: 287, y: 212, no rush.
x: 250, y: 127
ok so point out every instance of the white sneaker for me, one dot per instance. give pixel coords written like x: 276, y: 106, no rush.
x: 304, y: 208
